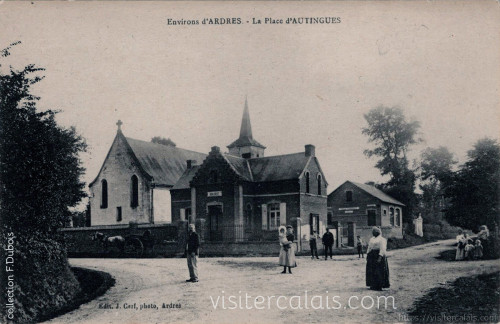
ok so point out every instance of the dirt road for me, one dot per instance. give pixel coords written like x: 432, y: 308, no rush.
x: 249, y: 284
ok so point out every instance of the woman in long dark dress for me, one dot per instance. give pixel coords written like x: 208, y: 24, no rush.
x: 377, y: 268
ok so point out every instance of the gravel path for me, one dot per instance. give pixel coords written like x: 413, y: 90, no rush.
x: 413, y: 272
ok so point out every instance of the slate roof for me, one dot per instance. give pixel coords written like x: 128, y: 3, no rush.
x: 377, y: 193
x: 279, y: 167
x: 245, y: 141
x: 240, y: 166
x: 165, y: 164
x: 261, y: 169
x: 186, y: 178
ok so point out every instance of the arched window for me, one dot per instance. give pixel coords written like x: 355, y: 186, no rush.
x: 319, y: 184
x: 391, y: 216
x: 104, y: 194
x: 134, y: 191
x: 307, y: 182
x: 398, y: 217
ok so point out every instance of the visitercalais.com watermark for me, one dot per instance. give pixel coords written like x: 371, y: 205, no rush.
x: 9, y: 275
x: 304, y: 301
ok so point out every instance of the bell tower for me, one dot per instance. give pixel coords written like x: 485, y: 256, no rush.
x: 245, y: 146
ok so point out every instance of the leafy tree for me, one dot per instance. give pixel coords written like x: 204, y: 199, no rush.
x: 473, y: 190
x: 436, y: 172
x: 163, y: 141
x: 393, y: 136
x: 40, y: 178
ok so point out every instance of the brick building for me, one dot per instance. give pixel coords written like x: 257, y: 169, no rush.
x: 244, y: 196
x: 134, y: 182
x: 354, y: 208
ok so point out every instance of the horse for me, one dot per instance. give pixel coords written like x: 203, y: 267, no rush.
x: 110, y: 241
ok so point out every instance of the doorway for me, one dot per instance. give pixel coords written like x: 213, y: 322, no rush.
x: 215, y: 222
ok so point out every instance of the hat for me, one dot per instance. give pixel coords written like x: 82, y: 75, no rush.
x: 289, y: 226
x: 281, y: 228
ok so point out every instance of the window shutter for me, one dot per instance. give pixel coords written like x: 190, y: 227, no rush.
x: 183, y: 214
x: 264, y: 216
x: 283, y: 214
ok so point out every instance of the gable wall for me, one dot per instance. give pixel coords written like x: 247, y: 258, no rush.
x: 118, y: 170
x: 313, y: 170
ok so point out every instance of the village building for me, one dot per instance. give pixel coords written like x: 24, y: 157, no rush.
x: 354, y: 208
x: 243, y: 195
x: 134, y: 182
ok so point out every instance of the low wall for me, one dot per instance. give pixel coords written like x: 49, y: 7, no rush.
x: 79, y: 241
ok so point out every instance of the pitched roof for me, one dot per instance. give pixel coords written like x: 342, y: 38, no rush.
x: 240, y: 166
x: 279, y: 167
x: 186, y: 178
x: 377, y: 193
x: 165, y: 164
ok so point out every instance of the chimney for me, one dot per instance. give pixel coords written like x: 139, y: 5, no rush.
x: 215, y: 149
x: 310, y: 150
x: 190, y: 163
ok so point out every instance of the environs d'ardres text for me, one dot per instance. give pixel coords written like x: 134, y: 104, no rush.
x: 325, y: 20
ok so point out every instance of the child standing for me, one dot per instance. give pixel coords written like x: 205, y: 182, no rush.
x: 478, y: 250
x: 359, y: 245
x: 469, y: 250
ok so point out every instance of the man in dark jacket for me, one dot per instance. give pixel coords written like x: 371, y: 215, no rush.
x: 328, y: 243
x: 192, y: 252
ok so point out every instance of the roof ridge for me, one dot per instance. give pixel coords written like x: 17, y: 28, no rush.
x: 271, y: 156
x: 164, y: 146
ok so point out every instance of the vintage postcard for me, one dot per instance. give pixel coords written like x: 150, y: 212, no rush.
x: 250, y: 161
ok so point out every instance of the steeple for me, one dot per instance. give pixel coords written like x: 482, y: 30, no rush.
x: 245, y: 146
x: 246, y: 126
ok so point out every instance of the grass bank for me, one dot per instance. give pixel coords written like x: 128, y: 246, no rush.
x: 467, y: 299
x: 93, y: 284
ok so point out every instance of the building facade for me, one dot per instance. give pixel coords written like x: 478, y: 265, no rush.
x: 243, y: 195
x: 354, y: 208
x: 134, y: 182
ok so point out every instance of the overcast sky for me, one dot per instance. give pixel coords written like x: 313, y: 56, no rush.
x: 306, y: 84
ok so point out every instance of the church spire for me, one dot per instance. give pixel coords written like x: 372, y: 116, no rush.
x: 246, y: 127
x: 245, y: 146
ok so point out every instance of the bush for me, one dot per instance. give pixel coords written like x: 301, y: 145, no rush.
x: 43, y: 280
x: 468, y: 300
x: 407, y: 241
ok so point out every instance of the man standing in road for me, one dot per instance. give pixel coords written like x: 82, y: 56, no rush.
x: 313, y: 245
x: 193, y: 249
x: 328, y: 243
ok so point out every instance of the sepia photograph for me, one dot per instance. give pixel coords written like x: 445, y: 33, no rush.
x: 250, y: 162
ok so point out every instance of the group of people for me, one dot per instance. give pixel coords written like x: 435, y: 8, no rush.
x: 327, y: 240
x: 377, y: 268
x: 471, y: 248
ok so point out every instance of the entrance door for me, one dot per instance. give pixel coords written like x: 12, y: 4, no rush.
x: 372, y: 218
x: 351, y: 229
x: 215, y: 219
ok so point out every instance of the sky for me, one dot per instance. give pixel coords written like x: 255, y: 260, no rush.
x: 305, y: 84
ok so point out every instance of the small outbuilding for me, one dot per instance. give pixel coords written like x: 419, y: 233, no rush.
x: 354, y: 208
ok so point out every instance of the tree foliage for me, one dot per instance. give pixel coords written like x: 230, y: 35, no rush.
x: 163, y: 141
x: 474, y: 189
x: 392, y: 136
x: 40, y: 174
x: 436, y: 171
x: 39, y: 164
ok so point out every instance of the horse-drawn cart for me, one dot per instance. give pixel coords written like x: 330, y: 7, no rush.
x: 130, y: 244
